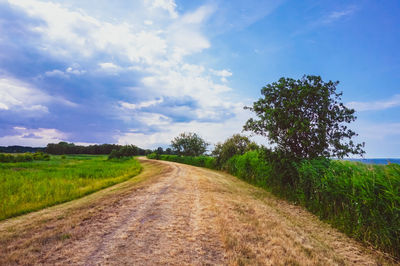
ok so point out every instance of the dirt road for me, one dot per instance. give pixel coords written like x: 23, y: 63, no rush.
x: 178, y: 214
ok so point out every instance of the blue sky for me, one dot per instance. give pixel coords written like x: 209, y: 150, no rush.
x: 141, y: 72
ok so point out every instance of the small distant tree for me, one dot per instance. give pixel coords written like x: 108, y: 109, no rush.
x: 168, y: 151
x: 305, y: 118
x: 189, y: 144
x: 159, y: 150
x: 235, y: 145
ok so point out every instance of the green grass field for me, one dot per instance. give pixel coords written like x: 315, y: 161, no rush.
x: 30, y: 186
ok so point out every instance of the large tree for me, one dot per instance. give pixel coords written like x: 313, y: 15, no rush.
x: 305, y: 118
x: 189, y: 144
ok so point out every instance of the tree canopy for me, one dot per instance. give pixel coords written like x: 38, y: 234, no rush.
x: 235, y: 145
x: 305, y: 118
x: 189, y: 144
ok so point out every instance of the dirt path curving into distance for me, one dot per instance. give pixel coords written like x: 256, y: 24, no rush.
x: 178, y: 215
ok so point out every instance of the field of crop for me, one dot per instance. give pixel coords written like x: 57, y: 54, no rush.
x: 29, y: 186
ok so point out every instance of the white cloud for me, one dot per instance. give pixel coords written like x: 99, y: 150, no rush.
x: 132, y: 106
x: 75, y: 70
x: 326, y: 19
x: 155, y: 50
x: 19, y: 128
x: 37, y: 109
x: 241, y: 14
x: 212, y: 132
x: 185, y: 36
x: 337, y: 15
x: 110, y: 67
x: 198, y: 16
x: 59, y: 24
x: 71, y: 70
x: 221, y: 88
x: 222, y: 73
x: 71, y: 32
x: 33, y: 137
x: 194, y: 70
x: 3, y: 106
x: 56, y: 73
x: 17, y: 95
x: 153, y: 119
x: 376, y: 105
x: 68, y: 33
x: 168, y: 5
x: 177, y: 82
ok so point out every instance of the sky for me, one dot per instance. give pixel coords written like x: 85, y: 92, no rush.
x: 142, y: 71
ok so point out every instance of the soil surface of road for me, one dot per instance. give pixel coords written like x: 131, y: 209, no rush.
x: 179, y: 215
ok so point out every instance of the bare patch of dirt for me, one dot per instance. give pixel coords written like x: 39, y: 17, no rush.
x: 181, y: 215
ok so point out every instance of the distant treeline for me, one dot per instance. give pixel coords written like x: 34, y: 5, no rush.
x: 70, y: 148
x: 21, y: 149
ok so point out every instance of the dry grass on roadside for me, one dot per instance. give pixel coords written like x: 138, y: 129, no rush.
x: 260, y: 229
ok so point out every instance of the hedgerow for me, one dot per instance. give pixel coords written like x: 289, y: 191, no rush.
x: 201, y: 161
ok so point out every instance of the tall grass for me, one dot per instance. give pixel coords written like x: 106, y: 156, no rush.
x: 29, y: 186
x: 359, y: 199
x: 23, y: 157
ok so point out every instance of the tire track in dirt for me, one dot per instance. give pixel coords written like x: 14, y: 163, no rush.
x: 159, y: 224
x: 114, y: 239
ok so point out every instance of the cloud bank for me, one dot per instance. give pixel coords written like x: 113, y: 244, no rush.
x: 92, y: 78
